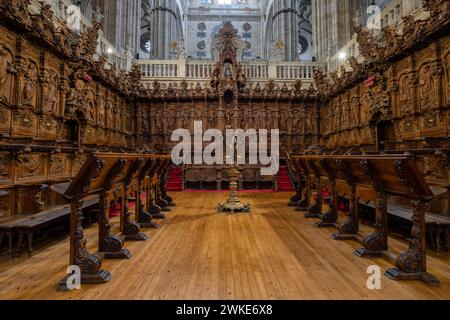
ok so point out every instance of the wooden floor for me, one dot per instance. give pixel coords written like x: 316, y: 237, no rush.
x: 197, y: 253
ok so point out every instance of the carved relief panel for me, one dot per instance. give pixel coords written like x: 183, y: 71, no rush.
x: 7, y: 72
x: 445, y: 46
x: 5, y: 120
x: 8, y: 67
x: 32, y: 167
x: 100, y: 106
x: 50, y: 92
x: 28, y: 79
x: 59, y: 166
x: 90, y: 106
x: 354, y: 114
x: 24, y: 123
x: 48, y: 128
x: 5, y: 203
x: 429, y: 78
x: 407, y: 81
x: 5, y: 167
x: 346, y: 111
x: 78, y: 161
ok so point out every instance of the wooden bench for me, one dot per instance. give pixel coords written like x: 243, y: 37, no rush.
x: 372, y: 178
x: 25, y: 225
x: 436, y: 225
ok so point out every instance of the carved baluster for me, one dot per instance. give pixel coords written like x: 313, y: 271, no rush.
x: 153, y: 208
x: 88, y: 263
x: 412, y: 264
x: 110, y: 245
x: 144, y: 217
x: 164, y: 194
x: 315, y: 210
x: 302, y: 204
x: 377, y: 242
x: 131, y: 230
x: 329, y: 218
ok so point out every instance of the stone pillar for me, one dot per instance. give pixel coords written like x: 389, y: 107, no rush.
x: 285, y: 27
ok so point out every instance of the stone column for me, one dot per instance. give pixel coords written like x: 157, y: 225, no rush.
x: 285, y: 27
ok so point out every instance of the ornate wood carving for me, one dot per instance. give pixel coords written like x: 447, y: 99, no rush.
x: 110, y: 245
x: 131, y: 230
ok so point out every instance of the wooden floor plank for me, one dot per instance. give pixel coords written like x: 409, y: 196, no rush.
x: 198, y: 253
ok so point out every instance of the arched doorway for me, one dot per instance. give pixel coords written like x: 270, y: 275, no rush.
x: 385, y: 134
x: 384, y: 130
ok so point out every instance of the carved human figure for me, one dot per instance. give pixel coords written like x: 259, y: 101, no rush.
x: 178, y: 119
x: 345, y: 115
x: 289, y: 119
x: 309, y: 122
x: 6, y: 71
x: 29, y: 85
x: 283, y: 119
x: 211, y: 118
x: 301, y: 122
x: 118, y: 118
x: 429, y: 86
x: 109, y: 117
x: 101, y: 110
x: 406, y: 88
x: 50, y: 92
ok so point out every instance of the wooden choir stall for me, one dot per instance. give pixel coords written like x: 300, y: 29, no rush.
x: 112, y: 176
x: 364, y: 179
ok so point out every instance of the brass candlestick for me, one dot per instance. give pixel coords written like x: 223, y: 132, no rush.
x: 233, y: 203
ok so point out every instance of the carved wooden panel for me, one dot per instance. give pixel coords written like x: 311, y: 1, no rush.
x: 33, y: 167
x: 6, y: 174
x: 407, y: 87
x: 433, y: 122
x: 78, y: 162
x: 47, y: 128
x: 100, y: 107
x: 24, y: 123
x: 28, y: 81
x: 445, y: 47
x: 5, y: 120
x: 429, y: 78
x: 5, y: 203
x: 7, y: 72
x: 59, y: 166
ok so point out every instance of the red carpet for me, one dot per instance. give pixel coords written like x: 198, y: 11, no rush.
x: 114, y: 211
x: 175, y: 181
x: 284, y: 181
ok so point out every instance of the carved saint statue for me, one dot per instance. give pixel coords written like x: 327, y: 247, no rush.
x: 29, y: 85
x: 309, y: 122
x: 6, y: 71
x: 283, y: 120
x: 406, y: 87
x: 211, y: 119
x: 50, y: 93
x: 429, y: 86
